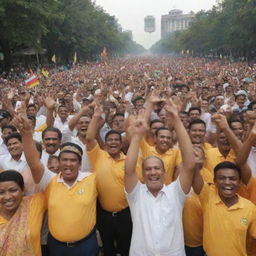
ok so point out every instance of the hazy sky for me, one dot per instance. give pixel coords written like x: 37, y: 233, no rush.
x: 131, y: 13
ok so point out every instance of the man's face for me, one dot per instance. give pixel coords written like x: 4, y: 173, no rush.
x: 14, y: 147
x: 118, y: 123
x: 227, y: 183
x: 197, y: 133
x: 139, y: 104
x: 113, y: 145
x: 51, y: 142
x: 153, y: 174
x: 63, y: 113
x: 194, y: 114
x: 184, y: 119
x: 240, y: 100
x: 163, y: 140
x: 53, y: 165
x: 69, y: 165
x: 237, y: 129
x: 4, y: 121
x: 219, y: 101
x: 154, y: 127
x: 31, y: 111
x: 223, y: 142
x: 82, y: 125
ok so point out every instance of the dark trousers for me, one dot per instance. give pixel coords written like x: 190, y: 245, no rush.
x: 194, y: 251
x: 115, y: 228
x: 85, y: 247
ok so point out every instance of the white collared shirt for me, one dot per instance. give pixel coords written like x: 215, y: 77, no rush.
x: 251, y: 161
x: 8, y: 163
x: 3, y: 148
x: 60, y: 125
x: 157, y: 221
x: 45, y: 157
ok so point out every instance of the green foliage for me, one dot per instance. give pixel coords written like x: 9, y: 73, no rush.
x: 227, y: 29
x: 62, y: 27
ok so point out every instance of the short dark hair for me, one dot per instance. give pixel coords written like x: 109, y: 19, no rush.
x: 12, y: 175
x: 113, y: 132
x: 196, y: 121
x: 52, y: 129
x: 227, y: 165
x: 31, y: 105
x: 117, y: 114
x: 155, y: 121
x: 70, y: 144
x: 161, y: 129
x: 195, y: 108
x: 11, y: 127
x: 13, y: 135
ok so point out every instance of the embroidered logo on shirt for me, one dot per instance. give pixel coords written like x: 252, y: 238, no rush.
x: 244, y: 221
x: 80, y: 191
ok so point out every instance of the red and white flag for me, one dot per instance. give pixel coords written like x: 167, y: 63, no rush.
x: 32, y: 81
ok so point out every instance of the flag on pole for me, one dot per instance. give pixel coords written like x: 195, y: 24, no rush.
x: 54, y: 58
x: 32, y: 81
x: 45, y: 73
x: 75, y: 59
x: 104, y: 52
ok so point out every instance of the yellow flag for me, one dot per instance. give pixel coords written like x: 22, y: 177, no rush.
x: 45, y: 73
x: 54, y: 58
x: 75, y: 59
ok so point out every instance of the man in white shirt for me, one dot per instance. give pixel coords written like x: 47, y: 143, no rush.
x: 6, y: 131
x: 51, y: 141
x: 157, y: 209
x: 16, y: 160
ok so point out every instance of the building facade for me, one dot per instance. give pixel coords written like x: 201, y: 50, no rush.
x: 175, y: 20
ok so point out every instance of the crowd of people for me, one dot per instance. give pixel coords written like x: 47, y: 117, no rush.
x: 140, y: 156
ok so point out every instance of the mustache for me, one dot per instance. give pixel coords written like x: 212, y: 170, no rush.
x: 51, y: 144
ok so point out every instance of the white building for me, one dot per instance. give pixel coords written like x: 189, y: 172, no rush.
x: 175, y: 21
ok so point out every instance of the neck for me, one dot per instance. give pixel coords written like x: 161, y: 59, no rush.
x: 224, y: 152
x: 155, y: 192
x: 7, y: 214
x: 229, y: 201
x: 17, y: 157
x: 82, y: 138
x: 115, y: 156
x: 159, y: 151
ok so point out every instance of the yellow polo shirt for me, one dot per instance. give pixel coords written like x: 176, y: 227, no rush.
x: 225, y: 229
x: 71, y: 211
x: 37, y: 207
x: 170, y: 158
x: 109, y: 179
x: 193, y: 215
x: 214, y: 157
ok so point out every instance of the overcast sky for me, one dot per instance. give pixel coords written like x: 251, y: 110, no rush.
x: 131, y: 13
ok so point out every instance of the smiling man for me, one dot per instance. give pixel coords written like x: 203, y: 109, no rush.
x: 157, y: 209
x: 228, y: 218
x: 113, y: 219
x: 16, y: 160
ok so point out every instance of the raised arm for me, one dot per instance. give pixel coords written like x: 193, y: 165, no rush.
x: 186, y: 148
x: 50, y: 105
x: 74, y: 120
x: 137, y: 130
x: 30, y: 151
x: 222, y: 124
x: 93, y: 129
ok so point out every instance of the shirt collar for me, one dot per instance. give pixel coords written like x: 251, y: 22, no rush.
x: 80, y: 177
x: 22, y: 158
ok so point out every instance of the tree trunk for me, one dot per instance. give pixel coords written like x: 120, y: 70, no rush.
x: 7, y: 54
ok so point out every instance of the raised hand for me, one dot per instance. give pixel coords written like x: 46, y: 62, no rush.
x: 171, y: 108
x: 50, y: 103
x: 220, y: 120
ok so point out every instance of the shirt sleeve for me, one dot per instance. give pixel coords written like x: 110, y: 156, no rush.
x: 45, y: 180
x: 131, y: 197
x: 204, y: 194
